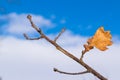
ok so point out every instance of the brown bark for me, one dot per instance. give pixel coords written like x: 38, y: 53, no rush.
x: 80, y: 61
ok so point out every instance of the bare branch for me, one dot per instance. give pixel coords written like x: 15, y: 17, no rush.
x: 87, y: 48
x: 90, y: 69
x: 25, y: 35
x: 32, y: 24
x: 83, y: 52
x: 78, y: 73
x: 63, y: 30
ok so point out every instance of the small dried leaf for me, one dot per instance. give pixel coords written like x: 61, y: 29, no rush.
x: 101, y: 39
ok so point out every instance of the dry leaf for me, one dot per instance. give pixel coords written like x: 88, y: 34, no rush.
x: 101, y: 39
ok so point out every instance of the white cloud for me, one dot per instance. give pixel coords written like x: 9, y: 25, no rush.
x: 34, y: 60
x: 18, y: 23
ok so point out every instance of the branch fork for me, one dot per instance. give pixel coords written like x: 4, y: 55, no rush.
x: 53, y: 42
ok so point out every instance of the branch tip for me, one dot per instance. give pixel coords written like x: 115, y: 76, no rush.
x: 29, y: 17
x: 61, y: 32
x: 25, y: 35
x: 55, y: 70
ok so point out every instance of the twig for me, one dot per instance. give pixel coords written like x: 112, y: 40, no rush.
x: 32, y: 24
x: 25, y: 35
x: 87, y: 48
x: 91, y: 70
x: 78, y: 73
x: 63, y: 30
x: 83, y: 52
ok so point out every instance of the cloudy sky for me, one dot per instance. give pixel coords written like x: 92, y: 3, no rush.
x: 21, y: 59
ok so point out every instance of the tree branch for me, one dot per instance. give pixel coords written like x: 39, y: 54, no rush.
x: 83, y: 52
x: 32, y: 24
x: 87, y: 48
x: 91, y: 70
x: 78, y: 73
x: 25, y: 35
x: 63, y: 30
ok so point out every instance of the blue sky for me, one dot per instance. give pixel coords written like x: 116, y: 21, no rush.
x: 21, y: 59
x: 81, y: 16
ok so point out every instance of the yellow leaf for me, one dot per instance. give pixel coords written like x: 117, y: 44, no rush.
x: 101, y: 39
